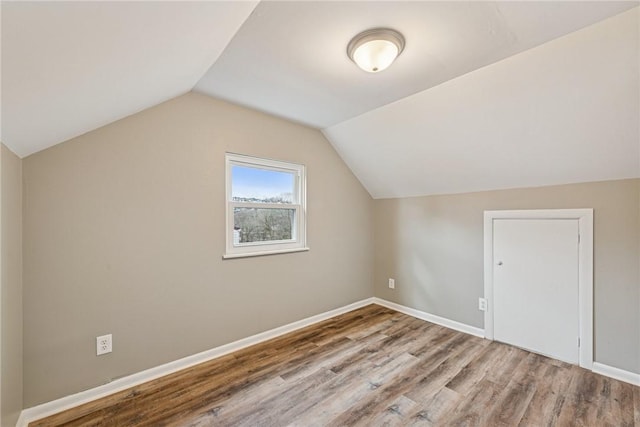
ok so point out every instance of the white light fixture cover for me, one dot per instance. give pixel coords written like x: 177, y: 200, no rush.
x: 374, y: 50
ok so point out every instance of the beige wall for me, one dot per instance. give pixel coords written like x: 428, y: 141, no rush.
x: 124, y: 233
x: 433, y: 247
x: 11, y: 287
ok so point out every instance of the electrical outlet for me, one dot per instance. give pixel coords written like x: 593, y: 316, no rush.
x: 392, y: 284
x: 482, y: 304
x: 104, y: 344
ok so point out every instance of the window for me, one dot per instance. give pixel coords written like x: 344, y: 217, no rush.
x: 265, y: 206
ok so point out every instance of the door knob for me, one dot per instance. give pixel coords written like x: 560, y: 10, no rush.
x: 499, y: 263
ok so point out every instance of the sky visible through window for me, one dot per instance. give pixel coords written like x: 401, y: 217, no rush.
x: 261, y: 184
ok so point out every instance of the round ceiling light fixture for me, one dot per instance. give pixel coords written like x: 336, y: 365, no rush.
x: 375, y: 49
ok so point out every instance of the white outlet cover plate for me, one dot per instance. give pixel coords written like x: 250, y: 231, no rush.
x: 104, y: 344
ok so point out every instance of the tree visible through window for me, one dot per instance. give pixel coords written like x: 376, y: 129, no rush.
x: 265, y: 206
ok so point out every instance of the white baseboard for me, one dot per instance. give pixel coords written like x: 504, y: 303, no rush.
x: 598, y: 368
x: 451, y: 324
x: 616, y: 373
x: 46, y: 409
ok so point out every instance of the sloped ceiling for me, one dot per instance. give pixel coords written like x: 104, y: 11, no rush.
x: 71, y: 67
x: 471, y: 104
x: 289, y: 58
x: 564, y: 112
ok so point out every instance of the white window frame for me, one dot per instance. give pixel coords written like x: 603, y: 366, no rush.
x: 299, y: 231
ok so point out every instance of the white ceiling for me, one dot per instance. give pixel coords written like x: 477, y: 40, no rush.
x: 70, y: 67
x: 289, y: 58
x: 564, y: 112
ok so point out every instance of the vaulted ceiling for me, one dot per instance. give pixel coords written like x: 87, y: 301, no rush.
x: 486, y: 94
x: 71, y: 67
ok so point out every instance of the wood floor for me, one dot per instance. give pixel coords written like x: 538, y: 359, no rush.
x: 370, y: 367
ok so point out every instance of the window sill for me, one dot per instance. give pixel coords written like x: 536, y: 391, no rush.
x: 263, y: 253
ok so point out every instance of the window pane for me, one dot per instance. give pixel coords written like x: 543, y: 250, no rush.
x: 262, y: 185
x: 262, y: 224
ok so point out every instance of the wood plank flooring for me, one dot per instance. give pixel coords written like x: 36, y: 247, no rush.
x: 370, y: 367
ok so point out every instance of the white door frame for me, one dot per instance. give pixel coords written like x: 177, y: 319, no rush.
x: 585, y: 269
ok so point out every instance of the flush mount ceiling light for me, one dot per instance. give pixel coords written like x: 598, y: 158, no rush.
x: 374, y: 50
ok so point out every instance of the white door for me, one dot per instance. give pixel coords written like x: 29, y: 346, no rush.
x: 535, y: 285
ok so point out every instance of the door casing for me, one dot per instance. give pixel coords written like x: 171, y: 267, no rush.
x: 585, y: 273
